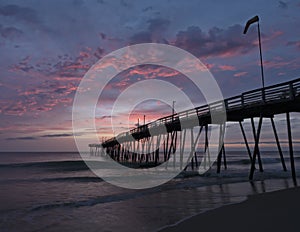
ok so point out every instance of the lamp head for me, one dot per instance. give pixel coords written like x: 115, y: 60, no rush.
x: 250, y: 21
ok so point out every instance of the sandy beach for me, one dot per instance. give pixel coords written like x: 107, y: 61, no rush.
x: 274, y: 211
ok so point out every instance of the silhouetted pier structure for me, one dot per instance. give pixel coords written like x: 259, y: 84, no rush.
x: 135, y: 146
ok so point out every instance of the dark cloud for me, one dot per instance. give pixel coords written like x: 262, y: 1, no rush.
x: 147, y: 9
x: 70, y: 68
x: 141, y: 37
x: 99, y: 53
x: 106, y: 117
x: 78, y: 3
x: 64, y: 66
x: 102, y: 35
x: 282, y: 5
x: 217, y: 41
x: 154, y: 33
x: 56, y: 135
x: 158, y: 25
x: 43, y: 136
x: 24, y: 65
x: 19, y: 13
x: 125, y: 3
x: 22, y: 138
x: 10, y: 33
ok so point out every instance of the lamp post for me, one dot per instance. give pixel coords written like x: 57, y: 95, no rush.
x: 173, y: 110
x: 251, y: 21
x: 173, y: 105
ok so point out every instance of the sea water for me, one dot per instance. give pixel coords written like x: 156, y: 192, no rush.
x: 58, y: 192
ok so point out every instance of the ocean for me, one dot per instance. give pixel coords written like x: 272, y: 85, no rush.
x: 56, y: 191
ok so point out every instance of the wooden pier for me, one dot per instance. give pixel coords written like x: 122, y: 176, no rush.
x: 169, y: 134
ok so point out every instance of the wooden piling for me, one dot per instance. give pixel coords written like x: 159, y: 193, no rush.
x: 278, y: 145
x: 245, y: 141
x: 256, y: 150
x: 292, y: 161
x: 219, y: 158
x: 181, y: 147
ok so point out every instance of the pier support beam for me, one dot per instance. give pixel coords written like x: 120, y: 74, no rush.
x: 206, y: 147
x: 256, y: 150
x: 181, y: 146
x: 174, y: 150
x: 245, y: 140
x: 172, y: 147
x: 278, y: 145
x: 166, y: 145
x: 221, y: 145
x: 224, y: 157
x: 195, y: 146
x: 291, y: 148
x: 157, y: 149
x: 192, y: 148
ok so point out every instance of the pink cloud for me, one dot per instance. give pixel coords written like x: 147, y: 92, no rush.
x: 227, y: 68
x: 281, y: 73
x: 11, y: 107
x: 240, y: 74
x: 275, y: 64
x: 273, y: 35
x: 149, y: 72
x: 43, y: 98
x: 209, y: 66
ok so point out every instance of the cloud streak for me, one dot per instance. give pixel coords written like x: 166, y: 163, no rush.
x: 56, y: 135
x: 42, y: 136
x: 22, y: 138
x: 294, y: 43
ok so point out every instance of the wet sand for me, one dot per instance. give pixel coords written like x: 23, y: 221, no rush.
x: 274, y: 211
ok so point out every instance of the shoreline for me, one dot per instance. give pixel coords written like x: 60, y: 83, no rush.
x: 271, y: 211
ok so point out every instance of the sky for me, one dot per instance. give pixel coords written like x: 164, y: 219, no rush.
x: 47, y: 46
